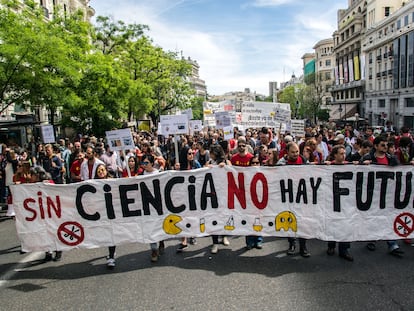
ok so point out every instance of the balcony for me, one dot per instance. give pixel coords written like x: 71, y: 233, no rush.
x: 390, y: 72
x: 384, y: 73
x: 378, y: 57
x: 378, y: 74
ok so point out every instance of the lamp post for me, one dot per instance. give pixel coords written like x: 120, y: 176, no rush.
x: 340, y: 111
x: 296, y: 109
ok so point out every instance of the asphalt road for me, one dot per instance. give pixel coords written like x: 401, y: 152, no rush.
x: 233, y: 279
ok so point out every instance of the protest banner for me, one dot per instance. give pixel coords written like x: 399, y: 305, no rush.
x: 333, y: 203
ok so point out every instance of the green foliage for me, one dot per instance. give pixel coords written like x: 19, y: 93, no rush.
x: 99, y: 77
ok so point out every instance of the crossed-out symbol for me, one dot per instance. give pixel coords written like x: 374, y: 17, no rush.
x: 71, y: 233
x: 404, y: 224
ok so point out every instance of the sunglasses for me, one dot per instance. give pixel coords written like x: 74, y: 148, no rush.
x: 144, y: 163
x: 190, y: 153
x: 253, y: 163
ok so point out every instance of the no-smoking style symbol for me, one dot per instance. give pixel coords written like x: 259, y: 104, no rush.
x: 71, y: 233
x: 404, y: 224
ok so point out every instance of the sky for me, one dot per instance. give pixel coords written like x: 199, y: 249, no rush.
x: 238, y: 44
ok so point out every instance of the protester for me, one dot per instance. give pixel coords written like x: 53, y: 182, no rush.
x: 218, y: 157
x: 294, y: 158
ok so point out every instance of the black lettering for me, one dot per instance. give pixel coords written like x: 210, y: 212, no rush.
x: 315, y: 188
x: 79, y: 206
x: 108, y: 202
x: 167, y: 194
x: 208, y: 181
x: 337, y: 191
x: 147, y: 197
x: 302, y: 192
x: 384, y: 176
x: 402, y: 204
x: 364, y: 206
x: 125, y: 201
x: 192, y: 194
x: 285, y: 190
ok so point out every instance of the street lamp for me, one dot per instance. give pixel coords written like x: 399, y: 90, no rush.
x: 340, y: 111
x: 296, y: 109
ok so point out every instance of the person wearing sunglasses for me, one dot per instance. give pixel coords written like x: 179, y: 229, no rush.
x: 148, y: 162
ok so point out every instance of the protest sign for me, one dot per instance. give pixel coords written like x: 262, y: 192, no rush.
x: 120, y: 139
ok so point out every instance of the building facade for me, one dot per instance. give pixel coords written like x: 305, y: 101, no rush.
x: 324, y: 64
x: 349, y: 84
x: 389, y: 49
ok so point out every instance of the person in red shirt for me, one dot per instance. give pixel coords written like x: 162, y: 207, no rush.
x: 242, y: 157
x: 75, y: 168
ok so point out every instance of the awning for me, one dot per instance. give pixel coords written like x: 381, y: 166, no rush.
x: 348, y: 111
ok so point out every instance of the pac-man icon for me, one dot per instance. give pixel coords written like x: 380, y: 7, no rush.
x: 170, y: 224
x: 286, y: 220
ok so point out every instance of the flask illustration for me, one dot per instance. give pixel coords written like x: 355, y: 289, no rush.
x: 257, y: 226
x: 230, y: 224
x: 202, y: 225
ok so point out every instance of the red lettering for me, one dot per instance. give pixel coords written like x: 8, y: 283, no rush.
x: 40, y: 201
x: 57, y: 208
x: 253, y: 190
x: 234, y: 190
x: 27, y: 208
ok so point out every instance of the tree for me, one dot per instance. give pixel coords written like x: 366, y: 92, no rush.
x: 40, y: 62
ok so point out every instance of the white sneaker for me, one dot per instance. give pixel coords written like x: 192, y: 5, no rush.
x: 110, y: 263
x: 226, y: 241
x: 214, y: 249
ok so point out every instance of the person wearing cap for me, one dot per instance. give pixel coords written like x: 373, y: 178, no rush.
x: 340, y: 140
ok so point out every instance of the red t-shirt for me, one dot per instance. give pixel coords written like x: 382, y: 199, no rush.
x: 241, y: 161
x: 297, y: 161
x: 382, y: 161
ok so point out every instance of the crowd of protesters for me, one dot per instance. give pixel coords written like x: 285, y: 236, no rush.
x: 83, y: 158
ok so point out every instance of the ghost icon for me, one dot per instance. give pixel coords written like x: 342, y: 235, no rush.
x: 286, y: 220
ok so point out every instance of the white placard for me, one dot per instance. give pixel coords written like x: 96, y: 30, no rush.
x: 259, y: 114
x: 48, y: 134
x: 120, y: 139
x: 174, y: 124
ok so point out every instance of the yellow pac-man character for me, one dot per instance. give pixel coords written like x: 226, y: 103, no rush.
x: 170, y: 224
x: 286, y: 220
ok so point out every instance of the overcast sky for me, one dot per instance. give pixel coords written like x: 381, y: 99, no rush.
x: 238, y: 44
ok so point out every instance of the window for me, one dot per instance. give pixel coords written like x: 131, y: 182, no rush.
x: 409, y: 102
x: 398, y: 24
x: 406, y: 20
x: 381, y: 103
x: 387, y: 11
x: 328, y: 63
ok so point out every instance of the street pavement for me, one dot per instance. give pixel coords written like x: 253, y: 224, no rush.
x: 233, y: 279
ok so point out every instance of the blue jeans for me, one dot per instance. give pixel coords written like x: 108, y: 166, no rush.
x: 252, y: 240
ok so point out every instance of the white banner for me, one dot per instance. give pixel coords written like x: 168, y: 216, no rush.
x: 333, y: 203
